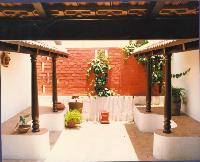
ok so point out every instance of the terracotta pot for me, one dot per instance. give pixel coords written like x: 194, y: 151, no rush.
x: 23, y: 128
x: 104, y: 118
x: 176, y: 106
x: 71, y: 124
x: 60, y: 106
x: 76, y: 105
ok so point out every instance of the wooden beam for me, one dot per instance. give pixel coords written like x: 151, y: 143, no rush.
x: 149, y: 84
x: 100, y: 29
x: 158, y: 6
x: 4, y: 46
x: 187, y: 46
x: 168, y: 89
x: 54, y: 84
x: 39, y: 8
x: 34, y: 95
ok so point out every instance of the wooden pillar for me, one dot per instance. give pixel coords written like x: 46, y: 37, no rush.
x: 34, y: 97
x: 54, y: 84
x: 167, y: 107
x: 149, y: 84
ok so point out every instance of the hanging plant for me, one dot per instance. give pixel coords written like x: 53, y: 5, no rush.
x: 100, y: 67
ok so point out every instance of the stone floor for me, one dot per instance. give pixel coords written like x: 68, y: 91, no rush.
x: 142, y: 142
x: 97, y: 142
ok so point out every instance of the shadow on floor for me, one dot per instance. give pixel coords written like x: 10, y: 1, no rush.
x: 142, y: 142
x: 53, y: 137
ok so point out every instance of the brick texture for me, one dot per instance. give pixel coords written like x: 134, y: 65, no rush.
x: 125, y: 78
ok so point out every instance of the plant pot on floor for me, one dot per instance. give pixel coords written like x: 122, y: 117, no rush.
x: 76, y: 105
x: 176, y: 106
x: 70, y: 124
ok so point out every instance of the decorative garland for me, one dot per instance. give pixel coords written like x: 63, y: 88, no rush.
x: 180, y: 74
x: 100, y: 67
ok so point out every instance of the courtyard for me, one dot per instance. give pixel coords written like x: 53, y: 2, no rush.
x: 125, y: 90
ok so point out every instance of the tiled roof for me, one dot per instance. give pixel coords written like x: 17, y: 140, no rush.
x: 160, y: 44
x: 39, y: 45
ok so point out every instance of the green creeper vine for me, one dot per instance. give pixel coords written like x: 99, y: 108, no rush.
x: 100, y: 67
x: 157, y: 63
x: 128, y: 49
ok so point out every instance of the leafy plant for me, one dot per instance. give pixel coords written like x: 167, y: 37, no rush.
x: 23, y: 119
x: 157, y: 68
x: 100, y: 67
x: 129, y: 49
x: 179, y: 94
x: 74, y: 115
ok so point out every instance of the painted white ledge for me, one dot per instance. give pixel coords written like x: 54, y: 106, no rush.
x: 53, y: 121
x: 149, y: 122
x: 176, y: 148
x: 34, y: 147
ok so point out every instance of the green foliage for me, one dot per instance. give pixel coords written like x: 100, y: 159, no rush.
x: 157, y: 63
x: 23, y: 119
x: 100, y: 67
x: 178, y: 75
x: 179, y: 94
x: 129, y: 49
x: 74, y: 115
x: 157, y: 68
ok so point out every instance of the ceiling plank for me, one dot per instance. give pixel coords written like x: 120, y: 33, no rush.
x: 40, y: 9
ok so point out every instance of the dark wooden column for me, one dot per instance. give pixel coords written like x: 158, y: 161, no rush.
x: 54, y: 84
x: 149, y: 84
x: 34, y: 97
x: 167, y: 107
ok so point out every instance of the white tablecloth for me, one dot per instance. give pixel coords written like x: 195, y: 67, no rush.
x: 120, y: 108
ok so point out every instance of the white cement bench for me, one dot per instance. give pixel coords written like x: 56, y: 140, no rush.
x: 34, y: 146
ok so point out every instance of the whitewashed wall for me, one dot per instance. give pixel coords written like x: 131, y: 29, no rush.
x: 15, y: 85
x: 191, y: 82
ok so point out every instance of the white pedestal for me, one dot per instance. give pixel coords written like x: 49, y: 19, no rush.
x: 34, y: 147
x: 176, y: 148
x: 149, y: 122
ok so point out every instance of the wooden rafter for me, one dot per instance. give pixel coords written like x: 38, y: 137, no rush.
x: 158, y: 6
x: 39, y: 8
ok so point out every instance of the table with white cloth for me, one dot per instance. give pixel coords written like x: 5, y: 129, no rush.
x: 120, y: 108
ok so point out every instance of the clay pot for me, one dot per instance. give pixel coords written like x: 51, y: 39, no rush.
x: 60, y: 106
x: 71, y: 124
x: 176, y: 106
x: 104, y: 118
x: 76, y: 105
x: 23, y: 128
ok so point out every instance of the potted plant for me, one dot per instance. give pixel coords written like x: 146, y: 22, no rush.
x: 178, y: 97
x: 75, y: 104
x: 72, y: 117
x: 22, y: 126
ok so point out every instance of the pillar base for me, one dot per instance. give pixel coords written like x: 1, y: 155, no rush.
x: 148, y: 111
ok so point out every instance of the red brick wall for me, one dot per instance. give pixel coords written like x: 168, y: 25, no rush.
x: 125, y: 78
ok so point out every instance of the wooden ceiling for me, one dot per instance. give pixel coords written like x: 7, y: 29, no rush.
x: 106, y: 19
x: 79, y: 10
